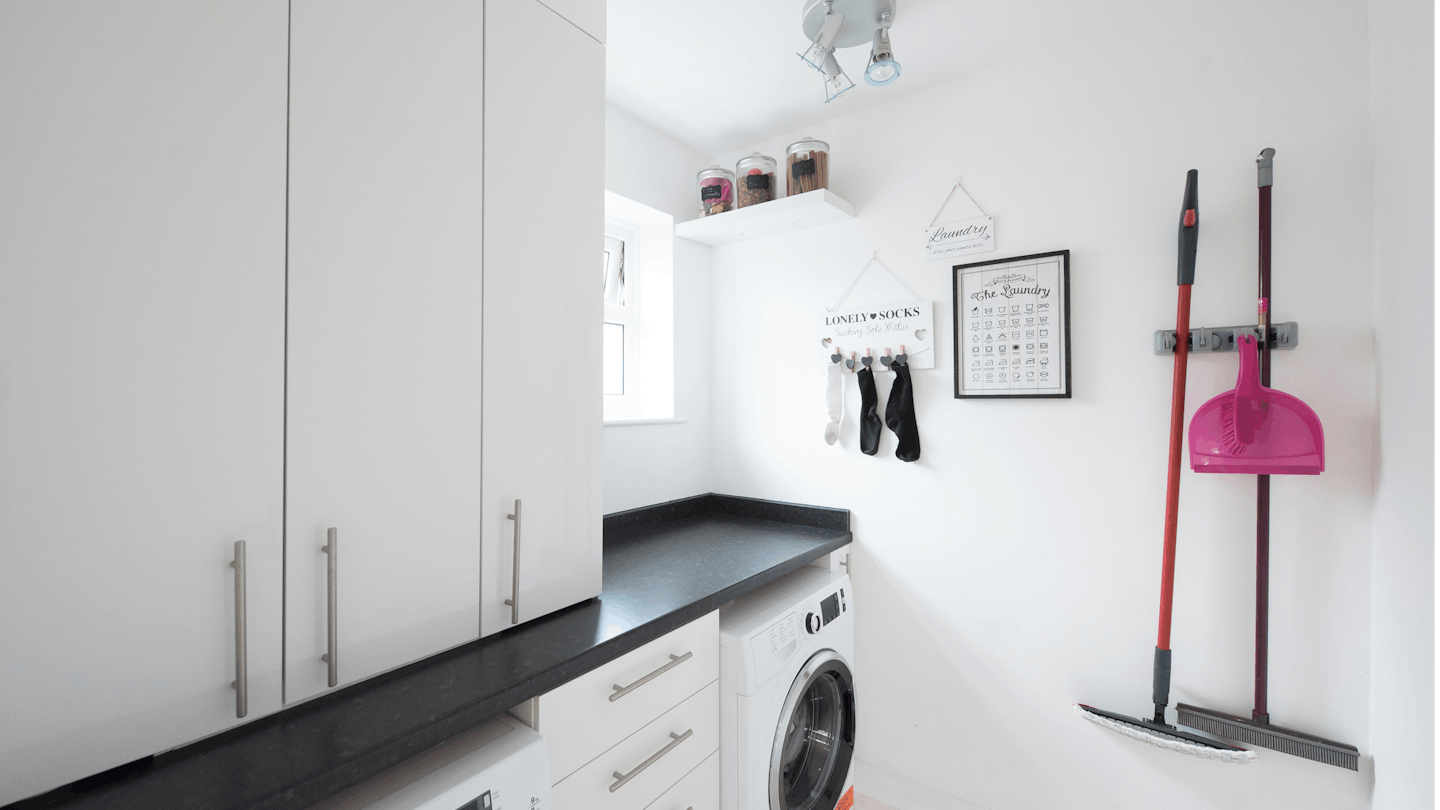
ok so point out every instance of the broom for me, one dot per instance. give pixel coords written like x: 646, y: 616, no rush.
x: 1157, y: 732
x: 1257, y: 730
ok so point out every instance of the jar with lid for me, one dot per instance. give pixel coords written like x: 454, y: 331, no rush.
x: 755, y: 180
x: 716, y: 187
x: 807, y: 166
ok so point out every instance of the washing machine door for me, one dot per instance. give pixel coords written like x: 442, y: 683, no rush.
x: 816, y: 736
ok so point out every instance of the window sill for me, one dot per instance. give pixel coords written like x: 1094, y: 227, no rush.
x: 635, y: 422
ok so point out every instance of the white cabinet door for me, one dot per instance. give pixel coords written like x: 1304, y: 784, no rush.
x: 142, y: 295
x: 544, y: 217
x: 383, y: 400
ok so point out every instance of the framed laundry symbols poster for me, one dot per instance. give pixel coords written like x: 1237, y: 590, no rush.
x: 1012, y: 327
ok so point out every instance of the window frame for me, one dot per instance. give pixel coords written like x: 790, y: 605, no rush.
x: 628, y: 314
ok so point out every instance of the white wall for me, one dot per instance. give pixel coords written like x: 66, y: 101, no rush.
x: 1402, y: 555
x: 1013, y: 570
x: 647, y: 464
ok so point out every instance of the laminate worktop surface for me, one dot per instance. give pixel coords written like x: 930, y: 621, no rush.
x: 665, y: 566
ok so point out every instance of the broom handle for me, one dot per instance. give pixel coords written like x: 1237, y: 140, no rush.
x: 1261, y: 713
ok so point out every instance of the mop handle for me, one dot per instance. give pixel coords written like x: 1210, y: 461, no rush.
x: 1265, y: 178
x: 1172, y: 481
x: 1189, y: 238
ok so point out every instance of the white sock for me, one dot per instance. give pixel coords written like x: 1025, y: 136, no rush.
x: 834, y: 401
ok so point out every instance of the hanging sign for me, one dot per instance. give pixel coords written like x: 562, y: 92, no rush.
x: 960, y: 238
x: 877, y: 328
x: 966, y: 231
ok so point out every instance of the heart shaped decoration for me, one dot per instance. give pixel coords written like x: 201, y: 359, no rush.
x: 850, y: 364
x: 867, y: 361
x: 901, y: 358
x: 872, y: 316
x: 886, y: 361
x: 835, y: 358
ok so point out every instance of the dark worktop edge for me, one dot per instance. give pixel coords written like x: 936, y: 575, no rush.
x: 619, y: 525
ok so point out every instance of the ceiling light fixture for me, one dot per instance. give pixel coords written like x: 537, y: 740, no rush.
x: 831, y: 24
x: 883, y: 69
x: 821, y: 54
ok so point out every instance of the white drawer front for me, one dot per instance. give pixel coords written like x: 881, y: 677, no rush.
x: 580, y: 721
x: 590, y: 787
x: 697, y: 790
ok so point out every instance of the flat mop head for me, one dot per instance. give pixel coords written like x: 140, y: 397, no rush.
x: 1167, y: 737
x: 1254, y: 430
x: 1284, y: 740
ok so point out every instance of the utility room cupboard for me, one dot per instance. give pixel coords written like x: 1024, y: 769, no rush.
x: 299, y: 346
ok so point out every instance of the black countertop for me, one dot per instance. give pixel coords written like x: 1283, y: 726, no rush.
x: 665, y: 566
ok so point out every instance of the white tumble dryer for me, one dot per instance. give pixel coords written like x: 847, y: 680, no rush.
x: 787, y: 695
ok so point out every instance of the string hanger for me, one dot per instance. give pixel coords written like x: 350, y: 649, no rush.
x: 960, y: 188
x: 874, y: 259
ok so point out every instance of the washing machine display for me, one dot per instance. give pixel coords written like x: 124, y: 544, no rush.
x: 813, y: 747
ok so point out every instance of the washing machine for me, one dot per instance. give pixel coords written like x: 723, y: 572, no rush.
x: 787, y: 695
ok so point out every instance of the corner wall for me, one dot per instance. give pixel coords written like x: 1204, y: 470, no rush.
x: 1402, y: 554
x: 647, y: 464
x: 1013, y: 570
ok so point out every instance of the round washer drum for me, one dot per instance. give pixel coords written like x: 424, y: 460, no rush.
x: 816, y: 737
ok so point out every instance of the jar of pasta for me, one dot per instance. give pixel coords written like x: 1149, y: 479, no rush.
x: 807, y: 166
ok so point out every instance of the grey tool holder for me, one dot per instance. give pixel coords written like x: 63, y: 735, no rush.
x: 1222, y: 338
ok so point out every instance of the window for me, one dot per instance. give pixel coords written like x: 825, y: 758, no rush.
x: 637, y: 265
x: 616, y: 315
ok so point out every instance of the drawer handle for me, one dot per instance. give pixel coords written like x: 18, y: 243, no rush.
x: 675, y: 739
x: 675, y: 661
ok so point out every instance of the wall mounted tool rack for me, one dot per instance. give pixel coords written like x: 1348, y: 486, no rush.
x: 1222, y: 338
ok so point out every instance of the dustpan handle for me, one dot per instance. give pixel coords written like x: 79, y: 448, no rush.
x: 1247, y: 384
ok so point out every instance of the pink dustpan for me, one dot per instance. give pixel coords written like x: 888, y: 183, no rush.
x: 1254, y: 430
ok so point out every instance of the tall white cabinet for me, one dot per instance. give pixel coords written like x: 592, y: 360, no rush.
x: 544, y: 222
x: 142, y: 307
x: 383, y: 406
x: 311, y: 280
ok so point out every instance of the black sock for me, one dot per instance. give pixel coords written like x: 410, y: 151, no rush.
x: 869, y: 419
x: 900, y: 414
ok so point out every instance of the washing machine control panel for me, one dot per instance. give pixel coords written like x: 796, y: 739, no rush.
x: 830, y: 609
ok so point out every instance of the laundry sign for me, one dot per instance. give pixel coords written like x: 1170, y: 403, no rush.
x: 965, y: 230
x: 960, y: 238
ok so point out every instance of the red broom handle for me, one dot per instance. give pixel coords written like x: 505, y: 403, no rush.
x: 1172, y: 485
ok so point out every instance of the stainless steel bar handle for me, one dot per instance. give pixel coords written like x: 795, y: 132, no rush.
x: 514, y: 600
x: 331, y: 548
x: 675, y: 739
x: 240, y: 684
x: 675, y: 661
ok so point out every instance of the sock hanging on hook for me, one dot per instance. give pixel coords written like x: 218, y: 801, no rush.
x: 869, y: 418
x: 834, y: 397
x: 900, y: 410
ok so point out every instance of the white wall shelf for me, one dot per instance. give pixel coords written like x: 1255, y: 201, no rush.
x: 809, y: 210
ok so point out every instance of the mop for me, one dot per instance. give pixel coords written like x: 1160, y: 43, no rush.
x: 1259, y: 431
x: 1157, y: 732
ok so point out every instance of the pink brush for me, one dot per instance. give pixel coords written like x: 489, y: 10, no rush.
x: 1254, y: 430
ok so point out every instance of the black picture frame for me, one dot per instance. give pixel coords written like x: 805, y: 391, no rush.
x: 962, y: 321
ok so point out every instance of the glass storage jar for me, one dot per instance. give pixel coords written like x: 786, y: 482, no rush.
x: 755, y: 180
x: 716, y: 188
x: 807, y: 166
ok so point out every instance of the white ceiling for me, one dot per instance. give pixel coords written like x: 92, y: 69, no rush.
x: 721, y: 75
